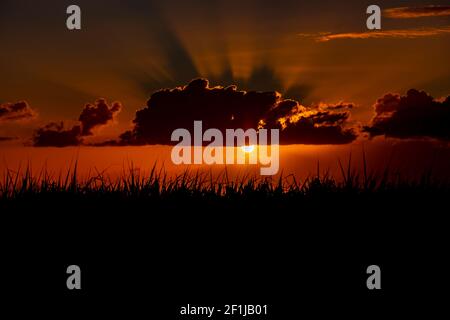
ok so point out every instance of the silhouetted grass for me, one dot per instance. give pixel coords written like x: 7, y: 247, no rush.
x: 157, y: 185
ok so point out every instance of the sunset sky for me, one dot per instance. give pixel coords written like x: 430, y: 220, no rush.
x: 318, y: 53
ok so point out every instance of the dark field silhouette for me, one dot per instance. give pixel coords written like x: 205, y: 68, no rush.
x: 190, y: 188
x: 197, y: 238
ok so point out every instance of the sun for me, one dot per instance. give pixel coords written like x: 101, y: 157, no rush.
x: 248, y: 149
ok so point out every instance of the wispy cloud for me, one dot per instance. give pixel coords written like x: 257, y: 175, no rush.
x: 398, y: 33
x: 16, y: 111
x: 417, y: 12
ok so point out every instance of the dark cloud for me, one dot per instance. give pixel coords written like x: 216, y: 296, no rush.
x: 322, y: 124
x: 96, y: 115
x: 92, y: 116
x: 16, y: 111
x: 416, y: 115
x: 54, y: 135
x: 228, y: 107
x: 217, y: 107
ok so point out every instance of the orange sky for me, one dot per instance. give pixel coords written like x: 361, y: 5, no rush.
x: 408, y: 159
x: 127, y: 51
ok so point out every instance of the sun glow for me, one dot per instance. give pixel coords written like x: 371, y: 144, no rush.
x: 248, y: 149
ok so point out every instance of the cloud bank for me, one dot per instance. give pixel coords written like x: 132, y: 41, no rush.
x: 230, y: 108
x: 416, y: 115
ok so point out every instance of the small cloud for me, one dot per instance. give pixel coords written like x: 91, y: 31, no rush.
x: 93, y: 116
x: 398, y: 33
x: 16, y: 111
x: 416, y: 115
x: 96, y: 115
x: 54, y: 135
x: 417, y: 12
